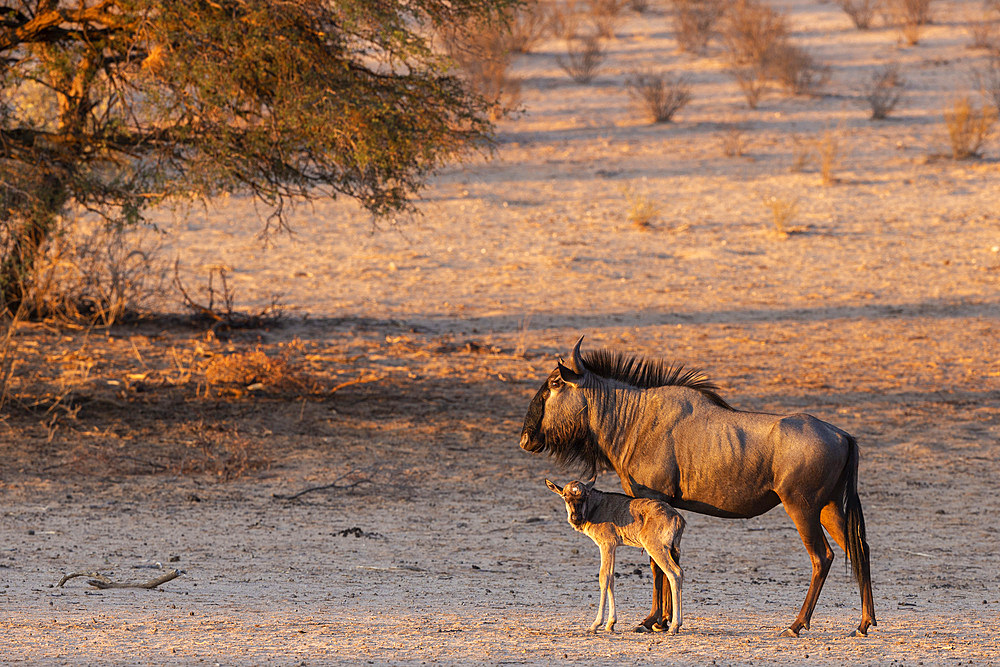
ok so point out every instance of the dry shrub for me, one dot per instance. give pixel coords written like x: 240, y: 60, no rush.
x: 796, y: 70
x: 565, y: 17
x: 222, y: 452
x: 968, y: 127
x: 217, y: 308
x: 8, y: 351
x: 695, y: 21
x: 256, y: 370
x: 861, y: 12
x: 983, y: 29
x: 638, y: 6
x: 756, y: 40
x: 95, y: 274
x: 909, y: 16
x: 660, y: 95
x: 883, y: 90
x: 606, y: 15
x: 988, y: 80
x: 484, y: 53
x: 734, y: 140
x: 752, y: 81
x: 528, y: 25
x: 751, y: 32
x: 584, y: 56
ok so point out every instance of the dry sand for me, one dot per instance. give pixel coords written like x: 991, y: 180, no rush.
x: 881, y: 315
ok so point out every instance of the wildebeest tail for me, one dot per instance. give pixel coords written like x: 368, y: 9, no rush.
x: 857, y: 541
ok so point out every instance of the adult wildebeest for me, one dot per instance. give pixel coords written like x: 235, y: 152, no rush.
x: 670, y: 436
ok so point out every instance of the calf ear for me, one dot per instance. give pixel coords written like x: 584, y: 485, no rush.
x: 568, y: 375
x: 590, y: 485
x: 552, y: 485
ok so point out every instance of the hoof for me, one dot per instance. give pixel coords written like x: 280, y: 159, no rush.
x: 591, y: 631
x: 658, y: 628
x: 641, y: 628
x: 672, y: 631
x: 859, y: 633
x: 789, y: 633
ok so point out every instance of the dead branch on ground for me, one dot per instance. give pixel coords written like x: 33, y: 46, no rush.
x: 98, y: 580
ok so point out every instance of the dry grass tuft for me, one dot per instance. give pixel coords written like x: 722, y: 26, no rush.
x: 660, y: 95
x: 734, y: 140
x: 606, y: 15
x: 222, y: 452
x: 642, y: 209
x: 968, y: 128
x: 783, y: 211
x: 883, y: 90
x: 256, y: 370
x: 829, y: 151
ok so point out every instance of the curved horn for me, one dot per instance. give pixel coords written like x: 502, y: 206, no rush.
x: 577, y: 362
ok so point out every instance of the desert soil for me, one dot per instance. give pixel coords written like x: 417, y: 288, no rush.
x: 402, y: 371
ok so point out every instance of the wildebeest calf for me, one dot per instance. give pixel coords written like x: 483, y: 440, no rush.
x: 611, y: 519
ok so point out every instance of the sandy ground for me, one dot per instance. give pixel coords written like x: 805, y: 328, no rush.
x: 440, y: 542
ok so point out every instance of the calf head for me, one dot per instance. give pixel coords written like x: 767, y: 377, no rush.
x: 576, y: 496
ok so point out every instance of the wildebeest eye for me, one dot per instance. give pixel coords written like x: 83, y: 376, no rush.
x: 556, y: 382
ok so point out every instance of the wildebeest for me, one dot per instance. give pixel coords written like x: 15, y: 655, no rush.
x: 670, y: 436
x: 613, y: 519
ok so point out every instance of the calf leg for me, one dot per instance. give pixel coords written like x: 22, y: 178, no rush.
x: 606, y: 578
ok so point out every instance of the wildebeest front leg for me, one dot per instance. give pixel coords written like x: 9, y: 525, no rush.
x: 607, y: 579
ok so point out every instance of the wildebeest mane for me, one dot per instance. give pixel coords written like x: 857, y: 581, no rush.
x: 645, y: 373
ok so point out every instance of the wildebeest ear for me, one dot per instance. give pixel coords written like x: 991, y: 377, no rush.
x: 568, y: 375
x: 552, y: 485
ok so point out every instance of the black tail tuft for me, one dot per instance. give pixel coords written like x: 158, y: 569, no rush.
x: 857, y: 541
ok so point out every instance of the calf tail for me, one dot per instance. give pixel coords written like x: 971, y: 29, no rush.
x: 857, y: 542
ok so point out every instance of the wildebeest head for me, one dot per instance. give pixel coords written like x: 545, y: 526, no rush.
x: 575, y: 495
x: 557, y: 420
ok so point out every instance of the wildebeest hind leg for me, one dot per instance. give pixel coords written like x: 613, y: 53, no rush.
x: 835, y: 523
x: 661, y: 593
x: 811, y: 531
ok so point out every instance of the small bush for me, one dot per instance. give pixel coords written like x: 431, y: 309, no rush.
x: 565, y: 17
x: 528, y: 26
x: 752, y: 80
x: 796, y: 70
x: 883, y: 90
x: 988, y: 80
x: 734, y: 141
x: 484, y: 56
x: 910, y: 16
x: 695, y: 21
x: 968, y: 128
x: 861, y: 12
x: 983, y: 29
x: 751, y: 32
x: 606, y: 15
x: 584, y: 56
x: 660, y: 95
